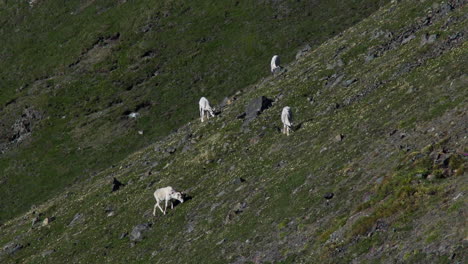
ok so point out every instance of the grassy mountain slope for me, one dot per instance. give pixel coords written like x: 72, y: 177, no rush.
x: 381, y: 114
x: 72, y: 71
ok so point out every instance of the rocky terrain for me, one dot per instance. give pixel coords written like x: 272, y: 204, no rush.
x: 84, y: 88
x: 374, y: 172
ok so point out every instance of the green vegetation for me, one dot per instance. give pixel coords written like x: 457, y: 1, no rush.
x: 397, y: 171
x: 85, y: 65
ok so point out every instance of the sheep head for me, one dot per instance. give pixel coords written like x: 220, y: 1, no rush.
x: 177, y: 196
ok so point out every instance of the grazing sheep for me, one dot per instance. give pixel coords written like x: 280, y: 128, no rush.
x: 205, y: 108
x: 166, y: 194
x: 286, y: 118
x: 275, y: 63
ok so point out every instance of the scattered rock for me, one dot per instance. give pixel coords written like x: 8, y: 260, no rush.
x: 237, y: 209
x: 256, y: 107
x: 133, y: 115
x: 329, y: 195
x: 339, y: 138
x: 408, y: 39
x: 47, y: 220
x: 116, y: 184
x: 123, y: 235
x: 241, y: 116
x: 221, y: 242
x: 347, y: 83
x: 226, y: 101
x: 303, y: 51
x: 138, y: 230
x: 78, y: 218
x: 171, y: 150
x: 47, y: 253
x: 428, y: 39
x: 281, y: 164
x: 369, y: 57
x: 35, y: 220
x: 24, y: 125
x: 238, y: 180
x: 12, y: 247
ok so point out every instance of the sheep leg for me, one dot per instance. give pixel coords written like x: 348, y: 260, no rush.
x: 201, y: 114
x: 165, y: 207
x: 160, y: 208
x: 154, y: 209
x: 172, y: 205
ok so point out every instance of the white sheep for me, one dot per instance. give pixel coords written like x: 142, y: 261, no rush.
x: 205, y: 108
x: 286, y: 118
x: 275, y: 63
x: 166, y: 194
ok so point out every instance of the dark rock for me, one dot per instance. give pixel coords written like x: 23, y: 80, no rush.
x: 138, y: 230
x: 339, y: 138
x: 369, y: 57
x: 445, y: 8
x: 25, y: 124
x: 12, y: 247
x: 303, y: 51
x: 238, y: 180
x: 221, y: 242
x: 237, y: 209
x: 255, y: 108
x: 347, y: 83
x: 116, y: 184
x: 277, y: 70
x: 48, y: 220
x: 241, y: 116
x: 428, y: 39
x: 455, y: 36
x: 281, y: 164
x: 329, y: 195
x: 78, y: 218
x: 35, y: 220
x: 408, y: 39
x: 224, y: 103
x: 171, y: 150
x: 186, y: 148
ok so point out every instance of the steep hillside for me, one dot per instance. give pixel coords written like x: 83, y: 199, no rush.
x: 72, y: 71
x: 375, y: 171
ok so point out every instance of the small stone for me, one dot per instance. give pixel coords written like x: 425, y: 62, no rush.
x: 123, y: 235
x: 171, y: 150
x: 238, y: 180
x: 47, y: 253
x: 78, y: 218
x: 408, y: 39
x: 116, y: 184
x: 369, y: 57
x: 347, y: 83
x: 35, y: 220
x: 339, y: 138
x: 329, y: 195
x: 241, y: 116
x: 138, y: 230
x: 431, y: 177
x: 47, y: 220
